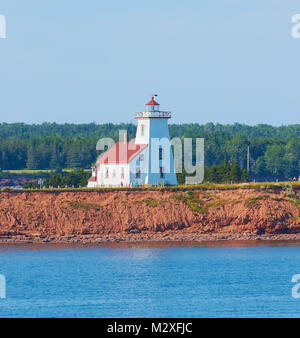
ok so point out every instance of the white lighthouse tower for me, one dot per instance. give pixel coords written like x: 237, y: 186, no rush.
x: 153, y: 131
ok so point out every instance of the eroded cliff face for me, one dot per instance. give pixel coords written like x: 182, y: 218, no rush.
x: 132, y: 212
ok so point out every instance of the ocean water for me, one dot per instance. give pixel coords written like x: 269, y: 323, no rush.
x: 206, y: 280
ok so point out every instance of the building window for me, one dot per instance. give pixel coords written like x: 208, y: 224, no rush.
x: 152, y: 108
x: 142, y: 130
x: 114, y: 173
x: 122, y: 173
x: 106, y: 173
x: 161, y: 169
x: 141, y: 157
x: 138, y: 172
x: 160, y: 153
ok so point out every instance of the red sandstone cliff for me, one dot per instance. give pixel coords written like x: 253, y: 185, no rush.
x: 149, y: 212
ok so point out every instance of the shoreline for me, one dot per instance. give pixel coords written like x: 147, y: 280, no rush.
x: 166, y: 238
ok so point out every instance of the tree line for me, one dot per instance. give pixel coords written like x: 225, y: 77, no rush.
x: 274, y: 151
x: 75, y: 179
x: 222, y: 173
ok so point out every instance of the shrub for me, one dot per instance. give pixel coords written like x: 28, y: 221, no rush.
x: 251, y: 202
x: 83, y: 205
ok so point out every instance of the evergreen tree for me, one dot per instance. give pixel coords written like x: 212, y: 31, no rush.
x: 235, y: 172
x: 223, y: 172
x: 53, y: 161
x: 244, y: 176
x: 4, y: 160
x: 73, y: 160
x: 32, y: 160
x: 260, y: 167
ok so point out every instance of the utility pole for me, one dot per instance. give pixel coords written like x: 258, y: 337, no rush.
x: 248, y: 160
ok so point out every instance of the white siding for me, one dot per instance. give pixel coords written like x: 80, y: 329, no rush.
x: 156, y: 130
x: 143, y: 165
x: 114, y: 178
x: 143, y: 139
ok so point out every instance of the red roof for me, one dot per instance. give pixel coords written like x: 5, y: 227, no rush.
x: 152, y: 102
x: 92, y: 179
x: 121, y: 153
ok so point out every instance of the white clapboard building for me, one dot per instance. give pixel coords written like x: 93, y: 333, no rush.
x: 147, y: 159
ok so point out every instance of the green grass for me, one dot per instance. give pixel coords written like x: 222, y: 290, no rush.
x: 292, y: 196
x: 296, y: 201
x: 278, y: 199
x: 150, y: 202
x: 251, y: 202
x: 83, y: 205
x: 34, y: 172
x: 183, y: 188
x: 192, y: 201
x: 26, y: 171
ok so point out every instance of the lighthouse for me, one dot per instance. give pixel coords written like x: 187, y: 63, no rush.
x: 146, y: 160
x: 153, y: 130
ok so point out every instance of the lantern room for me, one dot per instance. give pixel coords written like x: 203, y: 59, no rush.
x: 152, y: 105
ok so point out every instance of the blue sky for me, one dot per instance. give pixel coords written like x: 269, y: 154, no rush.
x: 215, y: 61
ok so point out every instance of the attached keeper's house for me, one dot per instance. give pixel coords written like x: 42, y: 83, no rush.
x: 148, y: 159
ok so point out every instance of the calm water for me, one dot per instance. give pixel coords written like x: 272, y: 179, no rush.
x: 246, y: 281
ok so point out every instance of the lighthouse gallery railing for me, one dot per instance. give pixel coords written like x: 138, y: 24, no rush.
x: 163, y: 114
